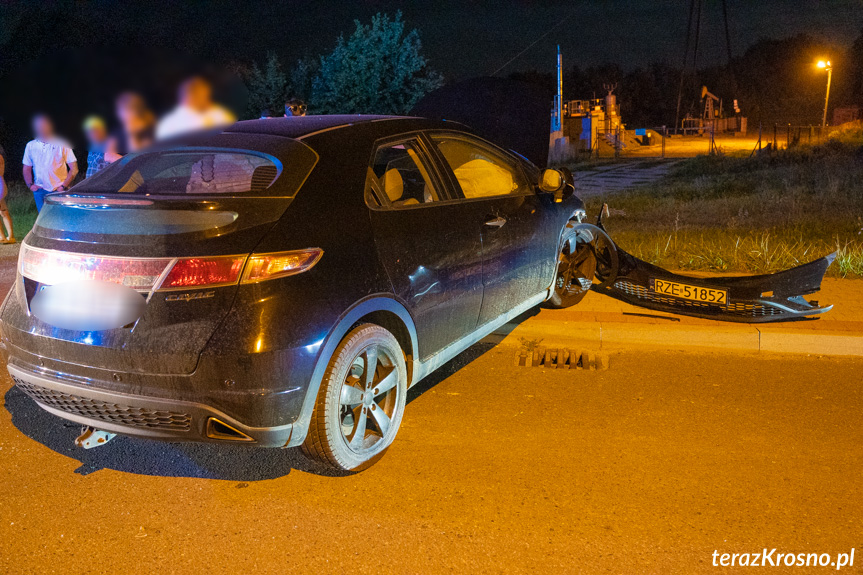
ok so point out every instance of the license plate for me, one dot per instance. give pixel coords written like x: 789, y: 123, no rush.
x: 690, y: 292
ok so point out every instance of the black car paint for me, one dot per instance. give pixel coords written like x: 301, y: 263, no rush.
x: 255, y: 354
x: 176, y: 333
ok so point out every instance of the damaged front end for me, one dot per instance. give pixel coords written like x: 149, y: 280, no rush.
x: 749, y: 299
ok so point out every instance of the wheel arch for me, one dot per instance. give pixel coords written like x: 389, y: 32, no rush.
x: 396, y: 325
x: 381, y: 309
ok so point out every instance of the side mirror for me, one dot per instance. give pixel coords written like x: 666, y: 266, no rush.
x: 550, y: 181
x: 558, y: 182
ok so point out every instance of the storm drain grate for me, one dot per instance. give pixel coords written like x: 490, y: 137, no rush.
x: 560, y: 358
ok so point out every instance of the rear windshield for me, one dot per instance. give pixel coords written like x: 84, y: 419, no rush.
x: 186, y: 172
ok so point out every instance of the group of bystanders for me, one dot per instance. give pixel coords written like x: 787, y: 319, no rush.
x: 50, y: 164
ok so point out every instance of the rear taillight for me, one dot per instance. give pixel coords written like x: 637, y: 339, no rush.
x: 262, y: 267
x: 51, y: 267
x: 199, y: 272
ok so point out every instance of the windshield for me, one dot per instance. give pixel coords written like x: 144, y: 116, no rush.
x: 186, y: 172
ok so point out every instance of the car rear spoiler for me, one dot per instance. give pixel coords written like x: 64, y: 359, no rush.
x: 750, y: 299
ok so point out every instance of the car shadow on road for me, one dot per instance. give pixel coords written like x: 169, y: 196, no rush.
x: 193, y: 460
x: 449, y: 368
x: 470, y: 354
x: 149, y: 457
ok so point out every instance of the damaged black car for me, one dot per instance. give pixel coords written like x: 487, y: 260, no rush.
x: 284, y: 282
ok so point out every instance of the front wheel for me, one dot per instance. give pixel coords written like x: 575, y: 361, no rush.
x: 576, y: 267
x: 361, y: 400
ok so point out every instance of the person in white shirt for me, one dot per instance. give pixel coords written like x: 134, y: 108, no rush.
x: 50, y: 164
x: 196, y: 111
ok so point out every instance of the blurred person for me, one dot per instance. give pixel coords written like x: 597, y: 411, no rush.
x: 50, y: 164
x: 97, y: 138
x: 9, y: 236
x: 295, y: 107
x: 137, y: 126
x: 196, y: 111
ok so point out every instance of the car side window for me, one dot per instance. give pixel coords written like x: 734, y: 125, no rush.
x: 481, y: 170
x: 398, y: 176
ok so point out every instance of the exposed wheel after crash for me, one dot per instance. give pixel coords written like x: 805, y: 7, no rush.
x: 576, y: 268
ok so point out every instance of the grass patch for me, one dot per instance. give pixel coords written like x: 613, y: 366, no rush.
x: 750, y: 215
x: 22, y: 207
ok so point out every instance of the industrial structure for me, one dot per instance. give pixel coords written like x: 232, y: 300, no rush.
x: 579, y: 126
x: 713, y: 118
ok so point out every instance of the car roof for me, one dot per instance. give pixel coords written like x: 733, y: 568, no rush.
x: 303, y: 126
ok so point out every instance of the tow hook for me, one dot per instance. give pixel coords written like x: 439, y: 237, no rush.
x: 91, y: 437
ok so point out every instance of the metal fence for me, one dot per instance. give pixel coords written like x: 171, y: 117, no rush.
x: 619, y: 142
x: 788, y: 135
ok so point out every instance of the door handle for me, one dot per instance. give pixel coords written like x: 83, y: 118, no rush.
x: 496, y: 222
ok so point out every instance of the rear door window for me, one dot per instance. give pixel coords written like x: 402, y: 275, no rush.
x: 399, y: 177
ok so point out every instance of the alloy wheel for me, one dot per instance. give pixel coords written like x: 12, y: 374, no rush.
x: 368, y: 400
x: 575, y: 270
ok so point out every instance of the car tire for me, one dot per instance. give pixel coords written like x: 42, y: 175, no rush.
x: 576, y: 267
x: 358, y: 411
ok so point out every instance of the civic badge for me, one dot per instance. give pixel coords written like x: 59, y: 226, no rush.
x: 190, y: 296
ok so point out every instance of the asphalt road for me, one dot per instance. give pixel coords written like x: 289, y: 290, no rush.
x: 647, y: 467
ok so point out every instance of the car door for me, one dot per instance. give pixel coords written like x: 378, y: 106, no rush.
x: 429, y: 244
x: 517, y: 247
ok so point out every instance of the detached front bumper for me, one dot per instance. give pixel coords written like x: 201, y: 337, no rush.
x: 142, y: 416
x: 749, y: 299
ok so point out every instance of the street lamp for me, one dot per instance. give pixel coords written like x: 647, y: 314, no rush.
x: 826, y: 65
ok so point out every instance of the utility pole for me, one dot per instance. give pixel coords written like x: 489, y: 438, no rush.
x: 558, y: 145
x: 558, y: 99
x: 825, y: 64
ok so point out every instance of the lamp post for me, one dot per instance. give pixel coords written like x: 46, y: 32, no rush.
x: 825, y: 65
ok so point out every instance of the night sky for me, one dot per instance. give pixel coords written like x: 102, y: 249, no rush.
x: 466, y: 39
x: 462, y: 38
x: 71, y: 58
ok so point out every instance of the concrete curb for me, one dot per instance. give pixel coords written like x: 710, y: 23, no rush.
x: 607, y: 335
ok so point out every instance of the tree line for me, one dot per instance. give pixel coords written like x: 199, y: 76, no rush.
x: 378, y: 69
x: 774, y: 80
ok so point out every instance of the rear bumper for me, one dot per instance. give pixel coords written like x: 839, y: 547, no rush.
x: 138, y: 415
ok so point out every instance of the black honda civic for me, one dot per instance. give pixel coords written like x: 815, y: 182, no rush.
x: 283, y: 282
